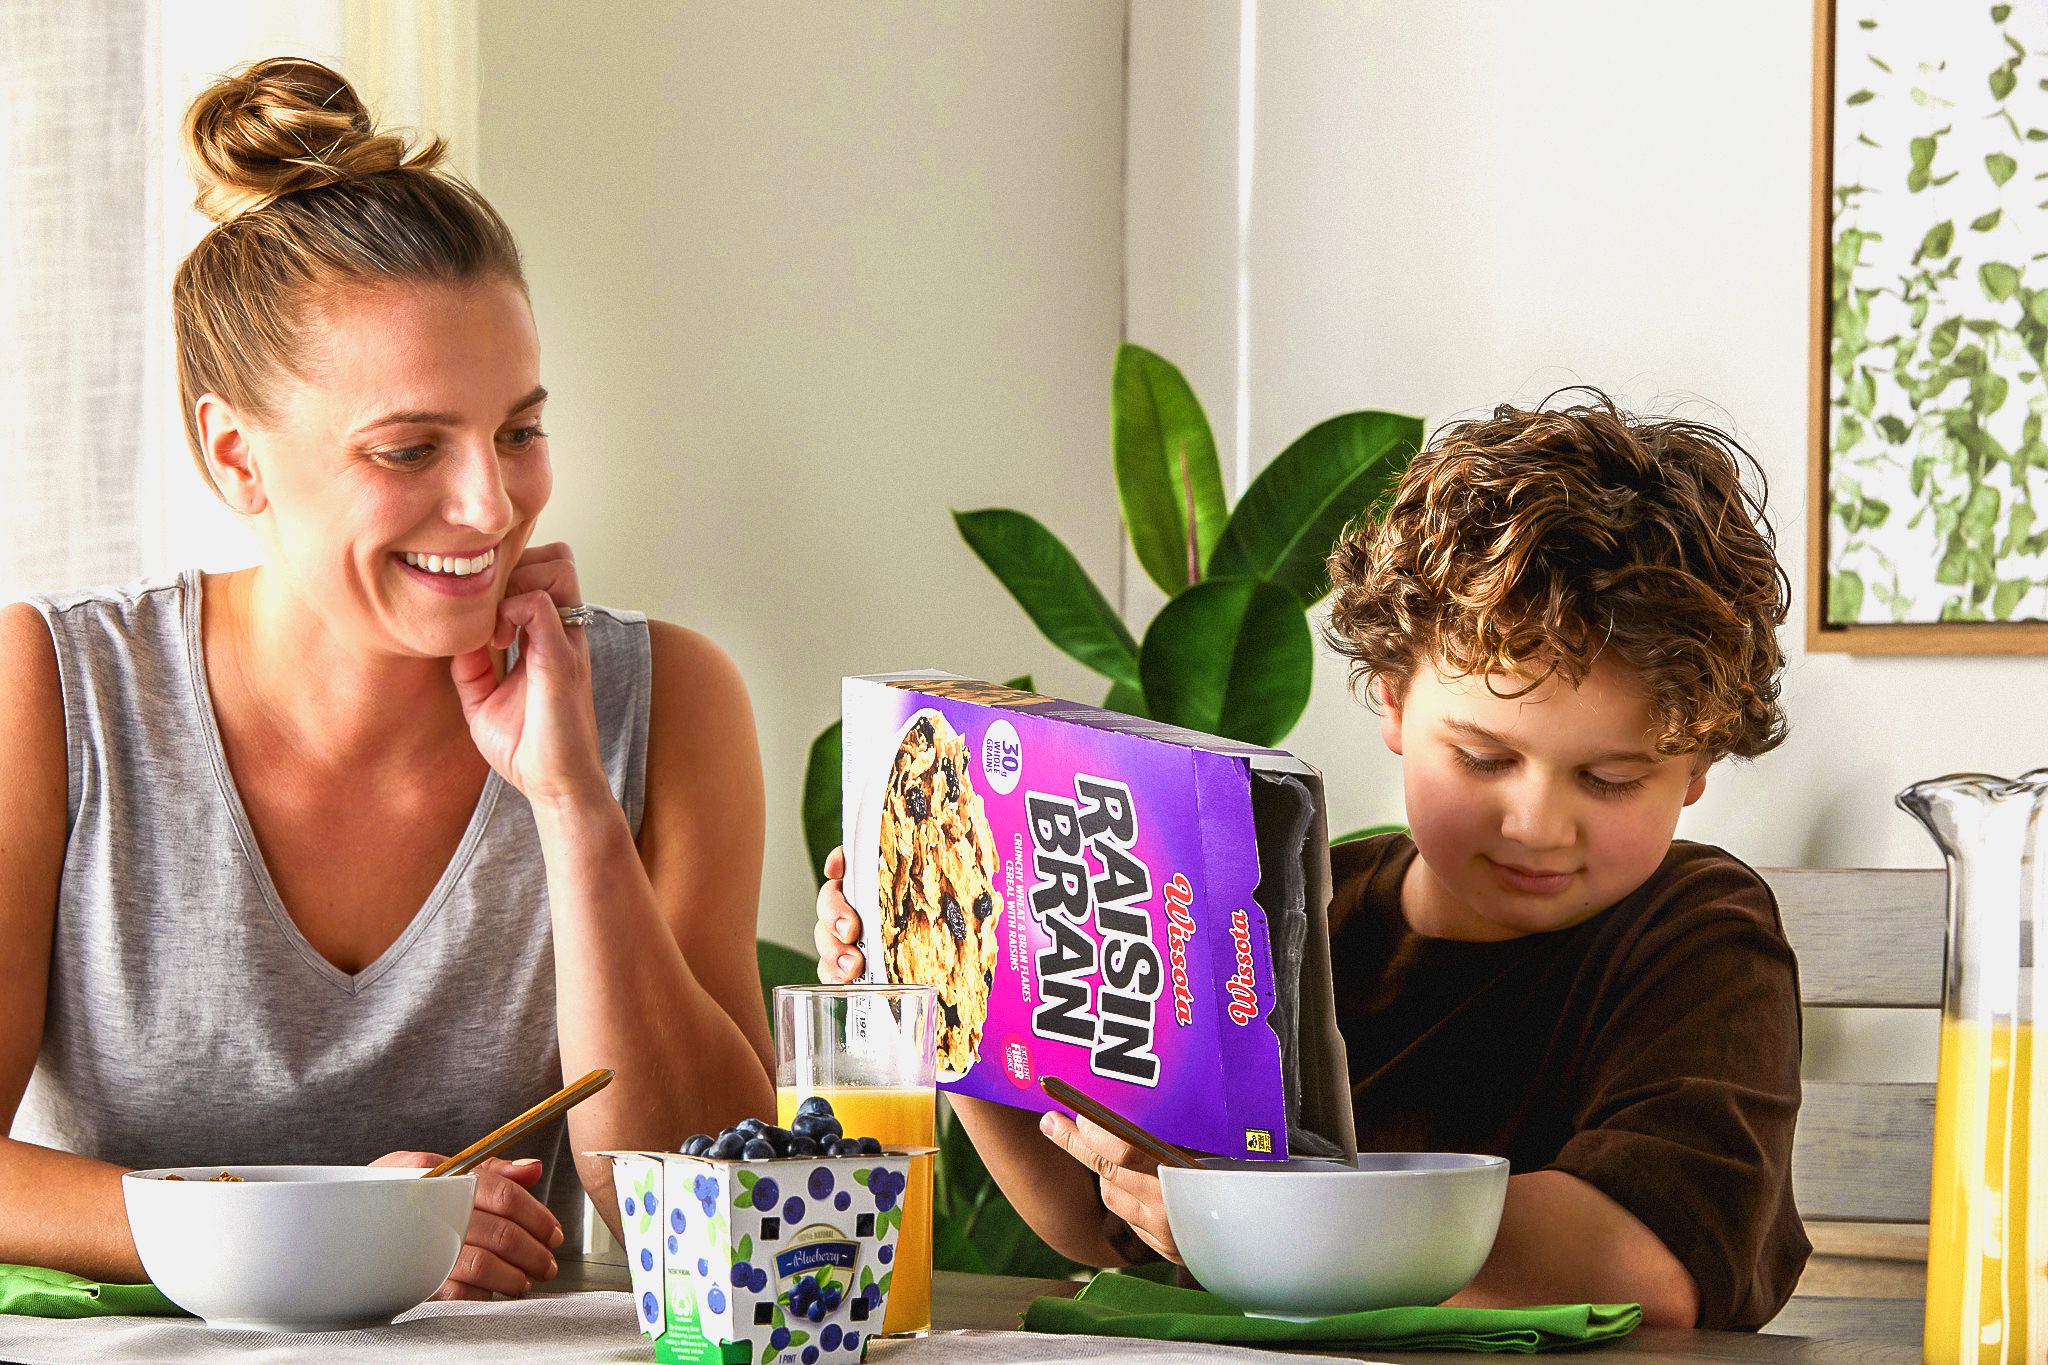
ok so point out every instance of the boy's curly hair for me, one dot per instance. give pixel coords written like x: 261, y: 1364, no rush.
x: 1534, y: 541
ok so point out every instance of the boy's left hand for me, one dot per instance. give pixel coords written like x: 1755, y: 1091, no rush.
x: 1129, y: 1179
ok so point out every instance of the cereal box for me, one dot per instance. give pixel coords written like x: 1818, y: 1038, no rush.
x: 1133, y: 907
x: 783, y: 1260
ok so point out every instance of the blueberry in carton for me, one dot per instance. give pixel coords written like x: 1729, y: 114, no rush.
x: 784, y: 1256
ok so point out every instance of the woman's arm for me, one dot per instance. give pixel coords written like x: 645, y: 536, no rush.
x: 654, y: 946
x: 655, y: 968
x: 56, y: 1209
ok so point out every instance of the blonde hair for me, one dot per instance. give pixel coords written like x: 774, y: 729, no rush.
x: 308, y: 199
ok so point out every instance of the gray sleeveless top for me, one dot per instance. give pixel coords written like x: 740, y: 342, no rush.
x: 189, y: 1021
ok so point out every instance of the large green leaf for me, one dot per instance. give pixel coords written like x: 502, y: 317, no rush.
x: 1232, y: 656
x: 1053, y: 588
x: 1008, y: 1245
x: 953, y: 1250
x: 821, y: 800
x: 1998, y: 279
x: 1129, y: 701
x: 1368, y: 832
x: 975, y: 1228
x: 781, y: 966
x: 1937, y: 241
x: 959, y: 1176
x: 1166, y: 468
x: 1845, y: 598
x: 1292, y: 514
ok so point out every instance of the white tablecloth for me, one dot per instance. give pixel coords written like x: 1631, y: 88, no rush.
x: 568, y: 1329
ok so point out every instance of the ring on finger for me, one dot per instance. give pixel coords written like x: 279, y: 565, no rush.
x: 582, y: 614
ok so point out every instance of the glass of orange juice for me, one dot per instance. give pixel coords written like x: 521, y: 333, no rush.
x: 872, y: 1052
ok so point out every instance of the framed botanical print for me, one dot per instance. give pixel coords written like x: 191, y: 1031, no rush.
x: 1928, y: 521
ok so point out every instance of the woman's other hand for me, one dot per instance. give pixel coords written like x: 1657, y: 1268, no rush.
x: 537, y: 725
x: 838, y: 931
x: 1129, y: 1179
x: 512, y: 1236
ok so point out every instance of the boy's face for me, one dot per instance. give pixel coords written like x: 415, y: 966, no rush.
x: 1531, y: 814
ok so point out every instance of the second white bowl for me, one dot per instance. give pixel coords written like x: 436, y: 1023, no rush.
x: 1311, y: 1239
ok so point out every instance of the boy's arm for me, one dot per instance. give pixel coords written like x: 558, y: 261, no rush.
x: 1055, y: 1194
x: 1562, y: 1241
x: 1690, y: 1091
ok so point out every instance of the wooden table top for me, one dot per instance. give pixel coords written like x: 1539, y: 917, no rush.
x: 1811, y: 1331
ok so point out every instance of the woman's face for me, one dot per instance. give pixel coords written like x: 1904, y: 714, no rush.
x: 401, y: 479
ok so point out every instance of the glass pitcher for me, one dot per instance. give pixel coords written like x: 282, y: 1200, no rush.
x: 1987, y: 1256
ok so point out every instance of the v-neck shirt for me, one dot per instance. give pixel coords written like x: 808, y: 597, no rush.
x: 190, y: 1022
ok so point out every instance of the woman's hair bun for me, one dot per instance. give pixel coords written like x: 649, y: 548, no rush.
x: 283, y: 125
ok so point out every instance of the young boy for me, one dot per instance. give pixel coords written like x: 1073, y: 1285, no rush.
x: 1565, y: 618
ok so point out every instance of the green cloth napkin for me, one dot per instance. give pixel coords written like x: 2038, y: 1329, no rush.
x: 37, y: 1293
x: 1116, y: 1304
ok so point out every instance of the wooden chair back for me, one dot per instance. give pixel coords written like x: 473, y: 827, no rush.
x: 1874, y: 939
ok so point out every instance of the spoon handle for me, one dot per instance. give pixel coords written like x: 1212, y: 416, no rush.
x: 1162, y: 1152
x: 568, y: 1097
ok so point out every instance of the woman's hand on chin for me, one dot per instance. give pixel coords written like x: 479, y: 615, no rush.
x: 536, y: 725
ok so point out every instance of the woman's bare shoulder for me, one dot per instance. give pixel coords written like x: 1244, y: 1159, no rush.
x: 705, y: 816
x: 32, y: 722
x: 701, y: 745
x: 695, y: 681
x: 33, y: 802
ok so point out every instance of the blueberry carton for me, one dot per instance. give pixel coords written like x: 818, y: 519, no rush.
x: 1136, y: 908
x: 781, y: 1261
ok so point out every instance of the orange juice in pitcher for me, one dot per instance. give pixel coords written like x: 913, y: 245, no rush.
x: 1987, y: 1254
x: 1985, y: 1260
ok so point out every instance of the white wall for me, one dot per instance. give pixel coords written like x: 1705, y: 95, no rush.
x: 807, y: 276
x: 1461, y: 203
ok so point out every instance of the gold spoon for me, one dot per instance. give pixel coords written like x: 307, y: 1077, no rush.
x: 568, y: 1097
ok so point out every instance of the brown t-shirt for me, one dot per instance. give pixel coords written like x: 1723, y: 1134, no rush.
x: 1652, y: 1051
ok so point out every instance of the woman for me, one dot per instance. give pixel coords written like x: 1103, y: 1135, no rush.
x: 365, y: 847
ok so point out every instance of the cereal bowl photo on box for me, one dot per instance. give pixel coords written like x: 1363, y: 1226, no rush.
x: 922, y: 826
x: 783, y: 1260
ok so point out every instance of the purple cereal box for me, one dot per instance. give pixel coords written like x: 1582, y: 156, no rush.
x: 1135, y: 908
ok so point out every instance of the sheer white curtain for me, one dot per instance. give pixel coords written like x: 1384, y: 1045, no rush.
x: 75, y: 98
x: 96, y: 484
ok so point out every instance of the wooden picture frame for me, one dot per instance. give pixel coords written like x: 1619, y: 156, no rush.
x: 1959, y: 569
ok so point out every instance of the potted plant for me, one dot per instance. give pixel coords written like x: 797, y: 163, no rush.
x: 1230, y: 653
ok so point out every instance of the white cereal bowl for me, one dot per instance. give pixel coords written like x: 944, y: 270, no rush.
x: 1310, y: 1239
x: 297, y: 1248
